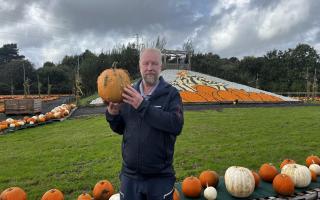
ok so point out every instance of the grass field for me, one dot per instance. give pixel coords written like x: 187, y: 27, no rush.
x: 75, y: 154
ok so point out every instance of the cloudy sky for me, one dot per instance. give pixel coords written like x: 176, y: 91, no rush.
x: 46, y: 30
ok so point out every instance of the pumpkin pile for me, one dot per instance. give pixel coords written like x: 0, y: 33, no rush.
x: 56, y: 113
x: 192, y: 186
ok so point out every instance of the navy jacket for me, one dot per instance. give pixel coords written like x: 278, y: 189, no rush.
x: 149, y: 132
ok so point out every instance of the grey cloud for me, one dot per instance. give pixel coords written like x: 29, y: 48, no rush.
x: 229, y: 28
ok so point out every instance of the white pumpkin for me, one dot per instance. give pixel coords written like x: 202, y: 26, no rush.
x: 210, y: 193
x: 10, y: 120
x: 300, y: 174
x: 115, y: 197
x: 12, y: 125
x: 57, y: 115
x: 21, y: 123
x: 239, y: 181
x: 315, y: 168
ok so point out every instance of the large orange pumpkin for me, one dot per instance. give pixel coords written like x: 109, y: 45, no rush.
x: 287, y: 161
x: 191, y: 187
x: 283, y: 184
x: 267, y: 172
x: 312, y: 160
x: 84, y: 196
x: 53, y: 194
x: 209, y: 178
x: 13, y: 193
x: 111, y: 83
x: 103, y: 190
x: 256, y: 179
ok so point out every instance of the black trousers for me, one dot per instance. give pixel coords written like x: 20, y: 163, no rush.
x: 160, y: 188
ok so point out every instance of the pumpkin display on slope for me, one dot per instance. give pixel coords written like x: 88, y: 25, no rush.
x: 267, y: 172
x: 84, y: 196
x: 209, y: 178
x: 256, y: 179
x: 191, y: 187
x: 210, y: 193
x: 111, y: 83
x: 287, y: 161
x: 283, y: 185
x: 13, y: 193
x: 53, y: 194
x: 312, y: 160
x: 239, y: 181
x: 300, y: 175
x: 103, y: 190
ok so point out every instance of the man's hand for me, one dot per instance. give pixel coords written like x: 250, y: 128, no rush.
x: 113, y: 108
x: 132, y: 96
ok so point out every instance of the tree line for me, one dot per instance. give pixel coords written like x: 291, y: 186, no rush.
x: 294, y: 70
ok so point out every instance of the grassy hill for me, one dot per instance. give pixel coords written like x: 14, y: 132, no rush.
x: 75, y: 154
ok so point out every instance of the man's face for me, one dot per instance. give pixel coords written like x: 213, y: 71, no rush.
x: 150, y: 67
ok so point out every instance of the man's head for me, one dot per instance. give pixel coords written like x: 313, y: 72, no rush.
x: 150, y: 65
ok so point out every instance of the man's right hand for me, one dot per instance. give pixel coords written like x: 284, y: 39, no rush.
x: 113, y: 108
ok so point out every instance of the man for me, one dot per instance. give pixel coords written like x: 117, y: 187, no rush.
x: 149, y: 119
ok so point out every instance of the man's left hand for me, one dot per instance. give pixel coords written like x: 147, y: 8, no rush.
x: 132, y: 96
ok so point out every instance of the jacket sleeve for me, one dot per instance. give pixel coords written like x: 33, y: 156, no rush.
x: 116, y: 122
x: 170, y: 120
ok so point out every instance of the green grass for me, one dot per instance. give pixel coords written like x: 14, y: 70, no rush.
x: 75, y: 154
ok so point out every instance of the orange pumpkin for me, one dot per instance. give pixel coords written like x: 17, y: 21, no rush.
x: 313, y: 176
x: 287, y: 161
x: 103, y: 190
x: 209, y: 178
x: 256, y: 178
x: 267, y: 172
x: 13, y: 193
x: 31, y: 120
x: 191, y: 187
x: 84, y: 196
x: 111, y: 83
x: 53, y: 194
x: 176, y: 194
x: 49, y: 115
x: 3, y: 126
x: 312, y: 160
x: 283, y: 185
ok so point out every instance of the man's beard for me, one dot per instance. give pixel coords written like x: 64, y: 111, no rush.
x: 150, y: 79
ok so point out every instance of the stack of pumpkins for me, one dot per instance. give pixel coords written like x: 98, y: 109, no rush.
x: 56, y: 113
x: 292, y: 174
x: 192, y: 186
x: 241, y: 182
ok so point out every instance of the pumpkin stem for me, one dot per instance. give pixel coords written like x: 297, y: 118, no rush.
x: 114, y: 65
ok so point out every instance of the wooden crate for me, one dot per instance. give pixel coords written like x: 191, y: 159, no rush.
x: 22, y: 106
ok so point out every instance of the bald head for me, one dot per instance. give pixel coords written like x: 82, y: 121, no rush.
x: 154, y: 51
x: 150, y: 65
